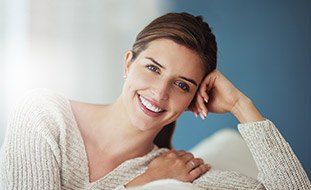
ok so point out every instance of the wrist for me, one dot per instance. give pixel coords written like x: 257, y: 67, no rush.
x: 245, y: 111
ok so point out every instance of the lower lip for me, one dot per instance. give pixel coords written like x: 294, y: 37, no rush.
x: 147, y: 111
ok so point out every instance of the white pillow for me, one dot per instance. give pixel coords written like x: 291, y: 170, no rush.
x: 227, y: 150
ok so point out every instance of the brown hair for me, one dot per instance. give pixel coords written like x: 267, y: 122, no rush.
x: 184, y: 29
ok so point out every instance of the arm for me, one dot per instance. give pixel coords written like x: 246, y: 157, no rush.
x: 278, y: 166
x: 27, y: 160
x: 277, y: 163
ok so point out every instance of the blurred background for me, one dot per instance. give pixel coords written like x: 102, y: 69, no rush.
x: 76, y: 47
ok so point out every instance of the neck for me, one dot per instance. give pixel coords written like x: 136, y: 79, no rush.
x: 117, y: 136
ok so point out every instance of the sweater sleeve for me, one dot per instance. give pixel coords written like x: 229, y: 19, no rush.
x: 28, y: 160
x: 278, y: 166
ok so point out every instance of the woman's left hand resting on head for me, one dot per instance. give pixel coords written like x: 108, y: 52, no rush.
x: 218, y: 95
x: 173, y: 164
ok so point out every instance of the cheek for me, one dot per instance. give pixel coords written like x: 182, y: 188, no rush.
x: 138, y: 80
x: 181, y: 102
x: 132, y: 85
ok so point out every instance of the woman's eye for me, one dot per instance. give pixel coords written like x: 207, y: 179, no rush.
x: 153, y: 68
x: 182, y: 85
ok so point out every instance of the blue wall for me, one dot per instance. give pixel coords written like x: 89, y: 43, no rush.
x: 265, y: 50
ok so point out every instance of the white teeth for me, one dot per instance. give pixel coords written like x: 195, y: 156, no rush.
x: 149, y: 105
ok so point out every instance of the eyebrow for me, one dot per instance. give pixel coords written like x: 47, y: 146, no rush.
x: 155, y: 62
x: 189, y: 80
x: 185, y: 78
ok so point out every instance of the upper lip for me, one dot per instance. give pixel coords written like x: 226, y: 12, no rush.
x: 154, y: 103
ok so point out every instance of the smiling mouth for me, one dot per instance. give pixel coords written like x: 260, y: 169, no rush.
x: 150, y: 106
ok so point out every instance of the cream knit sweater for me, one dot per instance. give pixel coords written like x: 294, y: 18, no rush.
x: 43, y: 149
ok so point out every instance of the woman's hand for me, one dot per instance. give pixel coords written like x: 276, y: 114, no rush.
x: 218, y: 95
x: 173, y: 164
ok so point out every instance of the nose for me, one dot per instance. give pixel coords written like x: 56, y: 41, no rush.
x: 161, y: 91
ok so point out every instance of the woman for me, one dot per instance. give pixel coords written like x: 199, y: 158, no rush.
x: 56, y: 143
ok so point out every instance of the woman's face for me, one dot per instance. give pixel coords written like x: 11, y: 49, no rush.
x: 161, y: 83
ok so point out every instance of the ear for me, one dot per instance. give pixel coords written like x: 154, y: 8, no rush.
x: 128, y: 56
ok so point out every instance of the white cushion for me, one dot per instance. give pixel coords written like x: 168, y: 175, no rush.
x: 227, y: 150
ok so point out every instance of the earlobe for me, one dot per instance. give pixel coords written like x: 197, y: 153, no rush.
x: 128, y: 56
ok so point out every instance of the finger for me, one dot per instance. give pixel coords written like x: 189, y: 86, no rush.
x: 198, y: 171
x: 203, y: 104
x: 197, y: 109
x: 197, y: 106
x: 176, y: 153
x: 170, y: 153
x: 204, y: 93
x: 186, y: 157
x: 191, y: 164
x: 193, y: 109
x: 195, y: 113
x: 201, y: 107
x: 181, y: 152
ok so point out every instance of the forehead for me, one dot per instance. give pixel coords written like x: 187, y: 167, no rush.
x: 175, y: 57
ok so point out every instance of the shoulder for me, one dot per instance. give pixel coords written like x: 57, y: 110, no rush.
x: 42, y: 103
x: 35, y: 132
x: 40, y: 111
x: 43, y: 100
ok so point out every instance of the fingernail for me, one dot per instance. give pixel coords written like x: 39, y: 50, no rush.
x: 196, y: 115
x: 205, y: 100
x: 202, y: 116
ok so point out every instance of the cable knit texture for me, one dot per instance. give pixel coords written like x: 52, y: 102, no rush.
x: 43, y: 149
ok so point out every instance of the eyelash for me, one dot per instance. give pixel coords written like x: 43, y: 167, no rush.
x: 153, y: 68
x: 181, y: 85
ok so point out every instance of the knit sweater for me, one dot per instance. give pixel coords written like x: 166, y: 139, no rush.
x: 44, y: 149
